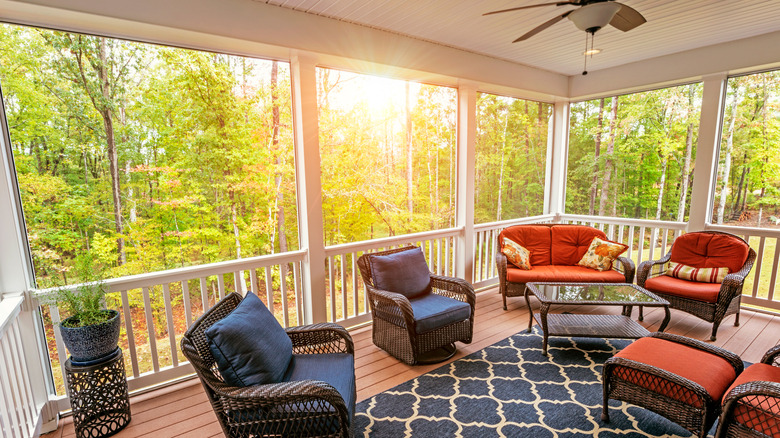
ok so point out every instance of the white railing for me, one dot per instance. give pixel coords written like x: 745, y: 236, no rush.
x: 766, y: 243
x: 485, y: 242
x: 18, y: 409
x: 346, y: 296
x: 165, y: 303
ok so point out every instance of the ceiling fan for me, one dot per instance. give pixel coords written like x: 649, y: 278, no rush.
x: 591, y: 16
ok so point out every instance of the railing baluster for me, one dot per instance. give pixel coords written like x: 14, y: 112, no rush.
x: 185, y: 295
x: 54, y: 313
x: 7, y: 372
x: 7, y: 405
x: 283, y: 284
x: 253, y: 281
x: 631, y: 242
x: 664, y: 242
x: 332, y: 283
x: 620, y: 236
x: 773, y: 279
x: 21, y: 366
x: 171, y: 327
x: 298, y: 293
x: 640, y: 256
x: 128, y: 316
x: 204, y: 293
x: 355, y: 291
x: 344, y: 293
x: 478, y: 261
x: 758, y: 265
x: 150, y: 331
x: 221, y: 285
x: 269, y: 288
x: 448, y: 270
x: 653, y: 239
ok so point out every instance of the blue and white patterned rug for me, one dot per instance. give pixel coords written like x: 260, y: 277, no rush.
x: 510, y: 389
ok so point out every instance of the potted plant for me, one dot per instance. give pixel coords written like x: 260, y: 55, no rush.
x: 90, y: 332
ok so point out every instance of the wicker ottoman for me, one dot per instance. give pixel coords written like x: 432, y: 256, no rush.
x: 679, y: 378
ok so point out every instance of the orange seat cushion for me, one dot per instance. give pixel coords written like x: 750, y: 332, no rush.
x: 570, y: 242
x: 705, y: 292
x: 702, y: 250
x: 712, y: 372
x: 569, y: 274
x: 761, y: 413
x: 534, y: 238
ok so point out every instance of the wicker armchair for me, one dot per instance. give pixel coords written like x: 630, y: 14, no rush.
x: 397, y: 330
x: 728, y: 298
x: 290, y: 408
x: 752, y: 408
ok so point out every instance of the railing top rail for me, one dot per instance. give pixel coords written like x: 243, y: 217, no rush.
x: 744, y: 231
x: 509, y: 222
x: 625, y: 221
x: 392, y: 240
x: 9, y: 308
x: 191, y: 272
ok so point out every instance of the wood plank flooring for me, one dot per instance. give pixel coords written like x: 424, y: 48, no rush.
x: 182, y: 410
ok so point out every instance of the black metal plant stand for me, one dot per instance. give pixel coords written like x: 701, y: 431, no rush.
x: 98, y: 396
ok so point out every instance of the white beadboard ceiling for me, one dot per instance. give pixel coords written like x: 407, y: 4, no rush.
x: 672, y: 26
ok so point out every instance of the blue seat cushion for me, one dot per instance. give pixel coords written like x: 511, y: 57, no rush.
x: 249, y: 346
x: 336, y: 369
x: 404, y: 272
x: 433, y: 311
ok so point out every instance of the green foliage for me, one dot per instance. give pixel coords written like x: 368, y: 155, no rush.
x: 85, y: 305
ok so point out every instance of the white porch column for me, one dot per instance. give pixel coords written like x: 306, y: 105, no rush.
x: 707, y: 150
x: 557, y: 160
x: 307, y: 170
x: 16, y: 279
x: 467, y: 135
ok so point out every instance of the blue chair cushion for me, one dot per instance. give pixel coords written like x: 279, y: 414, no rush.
x: 249, y: 346
x: 336, y: 369
x: 434, y: 311
x: 404, y: 272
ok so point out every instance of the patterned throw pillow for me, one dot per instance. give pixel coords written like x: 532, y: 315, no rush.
x: 702, y: 275
x: 601, y: 254
x: 516, y: 254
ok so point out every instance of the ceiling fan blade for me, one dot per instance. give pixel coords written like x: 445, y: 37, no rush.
x: 542, y: 27
x: 532, y: 6
x: 627, y: 18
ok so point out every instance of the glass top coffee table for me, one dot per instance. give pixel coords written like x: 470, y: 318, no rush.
x: 592, y: 294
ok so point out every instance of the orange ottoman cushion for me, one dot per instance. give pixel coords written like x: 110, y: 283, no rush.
x: 758, y: 413
x: 706, y: 292
x: 570, y: 242
x: 534, y: 238
x: 710, y: 251
x: 712, y: 372
x: 568, y: 274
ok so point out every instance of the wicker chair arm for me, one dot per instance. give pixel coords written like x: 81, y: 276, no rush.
x: 501, y: 264
x: 660, y: 373
x: 280, y: 393
x: 320, y: 338
x: 393, y: 305
x: 455, y: 286
x: 626, y: 267
x: 728, y: 356
x: 772, y: 356
x: 757, y: 387
x: 645, y: 269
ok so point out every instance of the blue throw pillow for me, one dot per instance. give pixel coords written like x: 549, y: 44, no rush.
x: 404, y: 272
x: 249, y: 345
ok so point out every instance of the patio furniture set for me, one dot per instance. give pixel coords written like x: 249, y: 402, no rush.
x: 264, y: 380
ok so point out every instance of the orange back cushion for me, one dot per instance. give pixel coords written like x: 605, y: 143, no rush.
x: 702, y: 250
x: 570, y: 242
x: 534, y: 238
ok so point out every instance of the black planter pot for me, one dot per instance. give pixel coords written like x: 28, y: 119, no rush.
x: 93, y: 341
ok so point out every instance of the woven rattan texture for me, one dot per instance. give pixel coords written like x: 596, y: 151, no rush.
x: 510, y: 289
x: 680, y: 400
x: 307, y: 408
x: 394, y: 327
x: 98, y: 397
x: 729, y: 297
x: 752, y: 410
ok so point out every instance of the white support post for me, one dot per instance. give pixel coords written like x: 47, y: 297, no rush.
x: 557, y: 160
x: 307, y: 169
x: 707, y: 148
x: 16, y: 278
x: 467, y: 135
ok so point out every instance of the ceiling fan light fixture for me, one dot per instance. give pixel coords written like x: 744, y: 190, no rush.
x: 591, y: 52
x: 594, y: 16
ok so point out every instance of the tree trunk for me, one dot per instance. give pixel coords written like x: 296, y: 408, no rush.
x: 687, y: 160
x: 608, y: 162
x: 724, y: 191
x: 501, y: 168
x: 409, y: 188
x: 662, y: 184
x: 596, y: 152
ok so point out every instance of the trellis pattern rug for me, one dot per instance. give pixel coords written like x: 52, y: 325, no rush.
x: 510, y: 389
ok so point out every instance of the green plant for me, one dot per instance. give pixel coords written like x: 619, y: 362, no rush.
x: 83, y: 305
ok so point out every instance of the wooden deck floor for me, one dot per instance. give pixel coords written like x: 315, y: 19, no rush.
x: 182, y: 410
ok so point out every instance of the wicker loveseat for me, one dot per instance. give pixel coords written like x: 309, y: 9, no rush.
x: 555, y: 250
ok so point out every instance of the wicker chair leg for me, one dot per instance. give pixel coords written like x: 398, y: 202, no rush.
x: 715, y: 326
x: 736, y: 319
x: 503, y: 294
x: 641, y: 313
